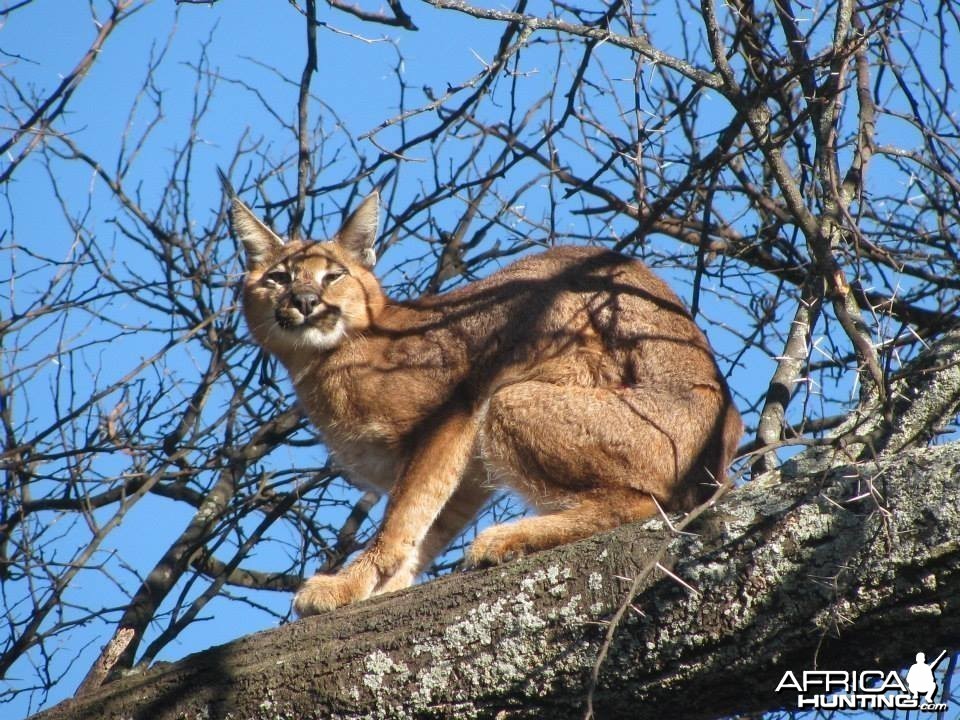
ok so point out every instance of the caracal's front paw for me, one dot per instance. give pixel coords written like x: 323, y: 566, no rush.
x: 498, y: 544
x: 326, y: 592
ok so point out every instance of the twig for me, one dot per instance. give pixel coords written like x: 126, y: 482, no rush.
x: 638, y: 582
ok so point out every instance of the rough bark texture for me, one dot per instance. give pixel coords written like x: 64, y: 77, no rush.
x: 848, y: 568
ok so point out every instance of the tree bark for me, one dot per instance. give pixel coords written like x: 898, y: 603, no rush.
x: 853, y: 567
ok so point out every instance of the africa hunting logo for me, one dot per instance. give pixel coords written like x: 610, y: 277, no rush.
x: 866, y: 689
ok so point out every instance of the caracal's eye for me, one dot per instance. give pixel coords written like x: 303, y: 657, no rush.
x: 331, y: 277
x: 280, y: 277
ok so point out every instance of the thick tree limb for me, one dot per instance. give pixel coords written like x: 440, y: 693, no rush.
x: 854, y: 567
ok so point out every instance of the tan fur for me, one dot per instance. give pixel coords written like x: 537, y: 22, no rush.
x: 575, y: 376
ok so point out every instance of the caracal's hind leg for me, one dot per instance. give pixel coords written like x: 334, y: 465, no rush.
x: 591, y: 459
x: 582, y: 515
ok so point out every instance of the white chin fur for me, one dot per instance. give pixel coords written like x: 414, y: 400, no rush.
x: 303, y: 338
x: 316, y: 338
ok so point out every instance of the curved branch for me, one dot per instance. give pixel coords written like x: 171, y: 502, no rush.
x: 634, y: 44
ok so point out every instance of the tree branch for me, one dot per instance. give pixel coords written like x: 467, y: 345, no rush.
x: 818, y: 572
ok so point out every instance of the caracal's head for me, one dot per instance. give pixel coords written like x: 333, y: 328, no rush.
x: 305, y: 296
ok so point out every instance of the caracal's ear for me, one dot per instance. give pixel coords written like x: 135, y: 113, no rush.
x: 259, y: 241
x: 359, y: 232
